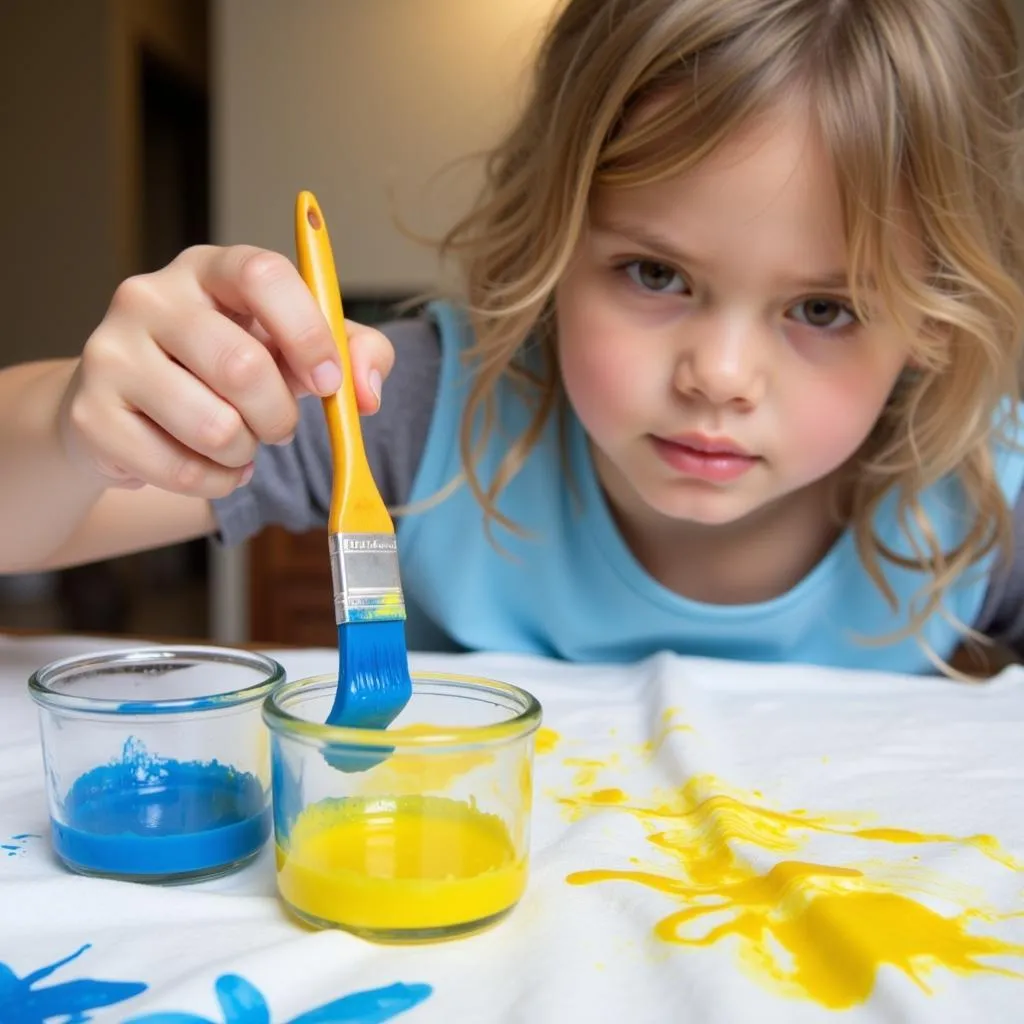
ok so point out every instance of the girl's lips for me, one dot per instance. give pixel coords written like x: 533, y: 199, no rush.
x: 717, y: 461
x: 707, y: 445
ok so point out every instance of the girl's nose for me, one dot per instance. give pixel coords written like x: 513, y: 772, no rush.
x: 722, y: 360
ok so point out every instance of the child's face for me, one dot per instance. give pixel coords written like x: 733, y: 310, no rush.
x: 705, y: 334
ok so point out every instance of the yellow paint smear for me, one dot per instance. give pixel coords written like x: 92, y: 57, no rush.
x: 546, y: 740
x: 813, y: 931
x: 669, y: 725
x: 587, y: 769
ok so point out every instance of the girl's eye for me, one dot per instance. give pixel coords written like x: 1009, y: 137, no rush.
x: 655, y: 277
x: 824, y: 314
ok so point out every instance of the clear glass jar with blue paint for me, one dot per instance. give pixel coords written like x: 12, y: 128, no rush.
x: 156, y: 760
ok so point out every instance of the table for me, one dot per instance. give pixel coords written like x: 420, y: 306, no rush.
x: 712, y: 842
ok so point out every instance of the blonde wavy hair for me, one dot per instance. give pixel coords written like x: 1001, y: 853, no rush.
x: 917, y: 101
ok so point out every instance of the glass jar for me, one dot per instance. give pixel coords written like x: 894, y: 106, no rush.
x: 156, y: 760
x: 415, y: 833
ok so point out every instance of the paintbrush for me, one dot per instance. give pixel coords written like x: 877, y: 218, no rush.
x: 369, y: 608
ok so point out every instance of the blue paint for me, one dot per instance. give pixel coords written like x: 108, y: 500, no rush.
x: 374, y: 684
x: 144, y: 815
x: 286, y: 780
x: 68, y: 1002
x: 242, y: 1003
x: 174, y: 707
x: 17, y: 846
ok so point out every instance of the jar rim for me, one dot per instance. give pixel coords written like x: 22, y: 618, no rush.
x: 40, y: 683
x: 526, y: 720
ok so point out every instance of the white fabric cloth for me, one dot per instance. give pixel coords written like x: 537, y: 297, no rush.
x: 689, y: 760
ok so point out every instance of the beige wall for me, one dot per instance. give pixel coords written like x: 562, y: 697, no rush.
x: 355, y: 99
x: 56, y: 176
x: 68, y: 177
x: 1017, y: 6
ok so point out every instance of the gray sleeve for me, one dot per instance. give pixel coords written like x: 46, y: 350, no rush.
x: 291, y: 485
x: 1002, y: 614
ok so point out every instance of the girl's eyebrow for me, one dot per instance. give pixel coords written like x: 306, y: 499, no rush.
x: 644, y: 238
x: 662, y: 247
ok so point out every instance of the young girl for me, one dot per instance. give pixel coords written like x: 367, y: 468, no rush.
x: 734, y: 372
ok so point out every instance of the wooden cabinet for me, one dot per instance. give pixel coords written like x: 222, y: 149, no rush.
x: 291, y: 597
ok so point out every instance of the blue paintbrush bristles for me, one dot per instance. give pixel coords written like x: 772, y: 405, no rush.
x: 373, y: 674
x: 373, y: 686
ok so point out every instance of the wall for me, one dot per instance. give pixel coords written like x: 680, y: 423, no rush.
x: 363, y: 102
x: 57, y: 177
x: 68, y: 120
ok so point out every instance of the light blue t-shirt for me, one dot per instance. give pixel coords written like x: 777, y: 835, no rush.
x: 572, y: 588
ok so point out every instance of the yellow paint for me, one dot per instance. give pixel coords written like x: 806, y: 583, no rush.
x: 392, y: 865
x: 608, y: 796
x: 425, y: 770
x: 987, y: 845
x: 525, y: 779
x: 668, y: 726
x: 814, y: 931
x: 521, y: 817
x: 546, y: 740
x: 587, y: 769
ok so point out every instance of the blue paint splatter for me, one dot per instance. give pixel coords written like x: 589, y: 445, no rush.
x: 242, y: 1003
x: 18, y: 843
x: 68, y: 1002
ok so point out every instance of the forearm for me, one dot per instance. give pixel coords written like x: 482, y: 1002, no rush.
x: 44, y: 496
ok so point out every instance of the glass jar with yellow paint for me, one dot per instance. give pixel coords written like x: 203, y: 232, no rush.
x: 413, y: 834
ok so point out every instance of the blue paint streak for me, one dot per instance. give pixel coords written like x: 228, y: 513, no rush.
x: 18, y: 846
x: 242, y: 1003
x: 286, y: 779
x: 177, y: 707
x: 149, y: 816
x: 22, y: 1003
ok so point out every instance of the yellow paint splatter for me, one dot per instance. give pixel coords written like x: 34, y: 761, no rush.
x: 814, y: 931
x: 669, y: 725
x: 589, y: 768
x: 546, y: 740
x: 987, y: 845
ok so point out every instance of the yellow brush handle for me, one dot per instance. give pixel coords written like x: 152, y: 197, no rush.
x: 356, y: 504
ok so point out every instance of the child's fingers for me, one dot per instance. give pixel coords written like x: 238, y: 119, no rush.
x: 372, y: 358
x: 234, y: 365
x: 265, y: 284
x: 186, y: 409
x: 140, y: 450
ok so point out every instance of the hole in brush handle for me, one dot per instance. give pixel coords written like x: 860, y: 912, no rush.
x: 314, y: 219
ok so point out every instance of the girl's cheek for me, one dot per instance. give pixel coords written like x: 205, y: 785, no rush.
x: 829, y: 424
x: 602, y: 379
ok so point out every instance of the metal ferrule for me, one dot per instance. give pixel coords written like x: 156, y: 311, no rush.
x: 367, y: 585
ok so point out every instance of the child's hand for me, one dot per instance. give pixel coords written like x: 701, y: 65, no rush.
x: 197, y: 364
